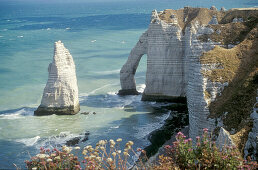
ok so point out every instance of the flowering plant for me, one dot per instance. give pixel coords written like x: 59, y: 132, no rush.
x: 106, y: 155
x: 205, y: 155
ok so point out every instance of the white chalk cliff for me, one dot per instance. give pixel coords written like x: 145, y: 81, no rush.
x: 251, y: 147
x: 60, y: 95
x: 175, y: 43
x: 162, y: 44
x: 173, y: 67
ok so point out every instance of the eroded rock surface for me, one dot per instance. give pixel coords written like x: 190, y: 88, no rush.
x: 188, y: 57
x: 60, y: 95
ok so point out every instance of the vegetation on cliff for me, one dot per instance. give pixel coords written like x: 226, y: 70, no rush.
x: 238, y: 67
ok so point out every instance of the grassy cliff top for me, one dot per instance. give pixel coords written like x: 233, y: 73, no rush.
x: 188, y: 15
x: 239, y: 67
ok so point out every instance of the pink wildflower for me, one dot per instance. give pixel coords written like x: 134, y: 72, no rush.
x: 205, y: 130
x: 167, y: 147
x: 180, y: 134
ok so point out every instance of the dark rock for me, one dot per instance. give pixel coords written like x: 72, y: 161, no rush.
x: 43, y: 111
x: 85, y: 113
x: 75, y: 141
x: 128, y: 92
x: 86, y: 136
x: 178, y: 119
x: 163, y: 98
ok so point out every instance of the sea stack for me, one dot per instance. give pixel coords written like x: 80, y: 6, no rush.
x: 60, y: 95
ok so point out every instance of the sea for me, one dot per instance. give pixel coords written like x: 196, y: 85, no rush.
x: 100, y: 35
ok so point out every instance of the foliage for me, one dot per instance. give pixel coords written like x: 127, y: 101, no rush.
x: 181, y: 155
x: 205, y: 155
x: 106, y: 155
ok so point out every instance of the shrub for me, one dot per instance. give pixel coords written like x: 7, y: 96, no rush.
x: 205, y: 155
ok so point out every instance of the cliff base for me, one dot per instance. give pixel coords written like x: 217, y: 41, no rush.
x: 43, y: 111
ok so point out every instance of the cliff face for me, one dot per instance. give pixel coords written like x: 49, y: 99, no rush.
x: 60, y: 95
x: 205, y: 55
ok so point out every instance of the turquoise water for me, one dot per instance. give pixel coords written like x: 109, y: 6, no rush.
x: 99, y: 37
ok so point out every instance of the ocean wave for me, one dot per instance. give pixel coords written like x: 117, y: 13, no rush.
x: 83, y: 95
x: 17, y: 113
x: 114, y: 127
x: 29, y: 141
x: 144, y: 131
x: 93, y: 41
x: 109, y: 100
x: 52, y: 141
x: 140, y: 88
x: 20, y: 36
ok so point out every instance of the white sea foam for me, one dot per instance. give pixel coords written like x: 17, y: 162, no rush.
x: 57, y: 140
x: 48, y: 28
x: 141, y: 87
x: 145, y: 130
x: 93, y: 41
x: 123, y: 42
x: 108, y: 72
x: 16, y: 115
x: 114, y: 127
x: 111, y: 93
x: 82, y: 95
x: 68, y: 28
x: 29, y: 141
x: 20, y: 36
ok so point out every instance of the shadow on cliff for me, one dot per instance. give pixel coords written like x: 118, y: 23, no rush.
x: 109, y: 22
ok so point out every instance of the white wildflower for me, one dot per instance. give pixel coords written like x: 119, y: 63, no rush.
x: 119, y: 140
x: 114, y: 154
x: 77, y: 148
x: 41, y: 156
x: 109, y: 160
x: 49, y: 160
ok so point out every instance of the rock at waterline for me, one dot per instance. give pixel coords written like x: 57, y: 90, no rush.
x: 76, y: 140
x: 60, y: 95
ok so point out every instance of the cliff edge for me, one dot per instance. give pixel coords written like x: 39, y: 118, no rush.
x: 207, y: 56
